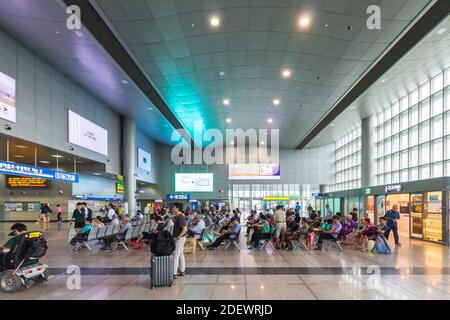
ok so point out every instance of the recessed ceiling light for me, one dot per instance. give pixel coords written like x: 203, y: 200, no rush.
x: 353, y: 107
x: 44, y: 161
x: 262, y: 142
x: 441, y: 31
x: 57, y: 32
x: 269, y: 120
x: 56, y: 156
x: 20, y: 146
x: 193, y: 25
x: 124, y: 81
x: 214, y: 21
x: 228, y: 120
x: 232, y: 143
x: 326, y: 25
x: 96, y: 174
x: 226, y: 102
x: 18, y: 156
x: 384, y: 80
x: 276, y: 102
x: 286, y: 73
x: 221, y: 73
x: 304, y: 21
x: 150, y: 108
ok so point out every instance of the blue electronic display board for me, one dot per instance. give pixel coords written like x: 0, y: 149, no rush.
x: 17, y: 169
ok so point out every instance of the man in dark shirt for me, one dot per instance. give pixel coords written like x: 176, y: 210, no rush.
x: 179, y: 234
x: 392, y: 217
x: 78, y: 216
x: 7, y: 252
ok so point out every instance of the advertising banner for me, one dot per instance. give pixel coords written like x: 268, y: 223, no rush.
x: 254, y: 171
x: 23, y: 170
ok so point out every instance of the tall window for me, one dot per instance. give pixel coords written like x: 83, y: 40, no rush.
x: 413, y: 134
x: 348, y: 162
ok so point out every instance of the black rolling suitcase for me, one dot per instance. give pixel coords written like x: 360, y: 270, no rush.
x: 161, y: 271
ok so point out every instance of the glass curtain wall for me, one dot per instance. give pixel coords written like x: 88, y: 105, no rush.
x: 348, y: 162
x: 413, y: 134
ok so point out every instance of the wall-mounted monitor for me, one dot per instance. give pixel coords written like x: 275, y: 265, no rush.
x: 144, y: 160
x: 7, y: 98
x: 194, y: 182
x: 14, y: 182
x: 86, y: 134
x: 254, y: 171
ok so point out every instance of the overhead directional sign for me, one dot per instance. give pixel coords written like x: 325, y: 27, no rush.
x: 24, y: 170
x: 185, y: 196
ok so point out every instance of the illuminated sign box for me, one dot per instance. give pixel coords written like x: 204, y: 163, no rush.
x: 26, y: 182
x: 119, y: 187
x: 254, y: 171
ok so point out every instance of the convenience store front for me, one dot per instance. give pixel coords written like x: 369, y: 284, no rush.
x: 423, y: 206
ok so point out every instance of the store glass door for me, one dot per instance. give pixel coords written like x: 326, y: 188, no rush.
x: 432, y: 216
x: 416, y: 209
x: 402, y: 201
x: 381, y: 207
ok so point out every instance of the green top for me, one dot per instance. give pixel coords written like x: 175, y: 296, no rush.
x: 265, y: 228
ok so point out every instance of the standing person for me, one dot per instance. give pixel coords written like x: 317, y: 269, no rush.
x: 179, y: 233
x: 280, y: 223
x: 78, y: 216
x: 298, y: 210
x: 328, y: 213
x: 393, y: 216
x: 354, y: 214
x: 87, y: 212
x: 58, y: 212
x: 110, y: 214
x: 309, y: 209
x: 44, y: 212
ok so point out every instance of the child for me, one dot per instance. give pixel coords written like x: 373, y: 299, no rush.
x: 59, y: 212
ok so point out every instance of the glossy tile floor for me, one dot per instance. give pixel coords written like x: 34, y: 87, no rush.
x: 416, y: 270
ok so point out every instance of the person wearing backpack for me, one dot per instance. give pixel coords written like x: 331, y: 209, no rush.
x: 179, y: 233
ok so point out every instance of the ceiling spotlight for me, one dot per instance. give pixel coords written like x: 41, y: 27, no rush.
x: 44, y: 161
x: 150, y: 108
x: 232, y: 143
x: 214, y: 21
x: 326, y: 25
x: 384, y: 80
x: 276, y: 102
x: 57, y: 32
x: 348, y: 28
x: 124, y: 81
x: 221, y: 73
x: 226, y: 102
x: 96, y: 174
x: 269, y: 120
x: 261, y: 142
x: 228, y: 120
x: 56, y: 156
x: 441, y: 31
x: 193, y: 25
x: 286, y: 73
x: 18, y: 156
x: 304, y: 21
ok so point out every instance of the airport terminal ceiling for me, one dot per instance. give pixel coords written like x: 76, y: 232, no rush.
x: 258, y: 59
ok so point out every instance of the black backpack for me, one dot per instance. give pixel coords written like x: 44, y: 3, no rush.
x: 163, y: 244
x: 37, y: 248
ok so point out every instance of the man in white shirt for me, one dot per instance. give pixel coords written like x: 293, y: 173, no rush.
x: 111, y: 213
x: 169, y: 224
x: 196, y: 231
x: 328, y: 213
x: 279, y: 217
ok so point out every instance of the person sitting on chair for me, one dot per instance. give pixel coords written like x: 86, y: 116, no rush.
x: 262, y: 228
x: 197, y: 229
x: 331, y: 234
x: 8, y: 250
x: 301, y: 232
x: 83, y: 234
x: 124, y: 226
x: 149, y: 235
x: 231, y: 233
x: 292, y: 227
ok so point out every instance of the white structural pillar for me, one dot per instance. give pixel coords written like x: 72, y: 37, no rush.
x: 129, y: 163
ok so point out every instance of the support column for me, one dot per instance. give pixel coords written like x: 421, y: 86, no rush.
x: 129, y: 163
x: 367, y: 152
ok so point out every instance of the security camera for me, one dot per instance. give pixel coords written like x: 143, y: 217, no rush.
x: 60, y: 192
x: 71, y: 148
x: 23, y: 192
x: 107, y: 160
x: 7, y: 127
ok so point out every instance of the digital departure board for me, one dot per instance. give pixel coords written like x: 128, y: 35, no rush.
x: 26, y: 182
